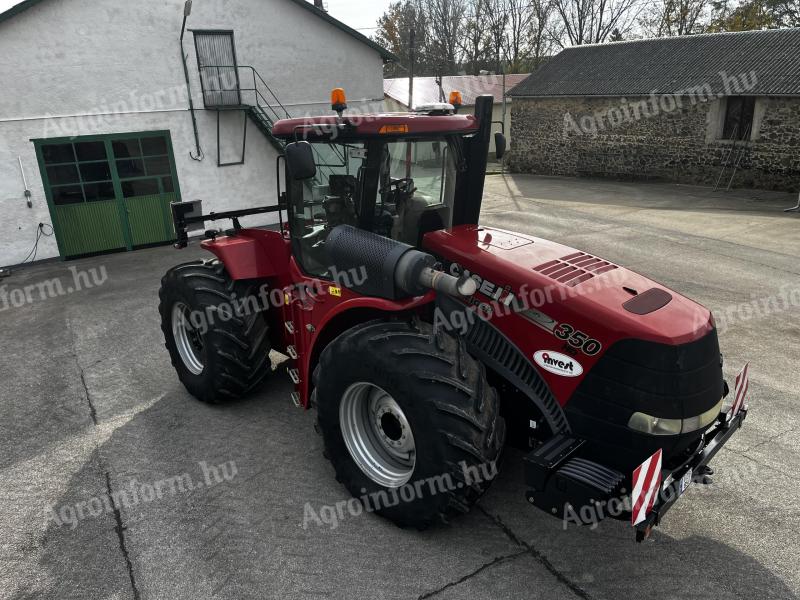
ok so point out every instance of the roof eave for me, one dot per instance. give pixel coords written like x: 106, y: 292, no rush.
x: 385, y: 54
x: 16, y: 9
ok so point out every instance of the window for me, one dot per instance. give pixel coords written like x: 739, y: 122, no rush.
x: 415, y: 184
x: 330, y: 199
x: 143, y: 166
x: 739, y: 112
x: 78, y: 172
x: 423, y: 161
x: 83, y: 171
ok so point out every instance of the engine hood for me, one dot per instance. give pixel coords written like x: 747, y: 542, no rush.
x: 566, y: 285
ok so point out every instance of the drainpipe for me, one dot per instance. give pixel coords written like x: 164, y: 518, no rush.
x: 187, y: 10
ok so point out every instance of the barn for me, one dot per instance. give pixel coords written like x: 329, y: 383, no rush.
x: 715, y: 109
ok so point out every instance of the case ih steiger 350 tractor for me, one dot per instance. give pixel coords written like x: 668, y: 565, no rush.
x: 426, y: 342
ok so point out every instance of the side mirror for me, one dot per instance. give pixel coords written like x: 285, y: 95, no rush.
x: 500, y: 143
x: 300, y: 159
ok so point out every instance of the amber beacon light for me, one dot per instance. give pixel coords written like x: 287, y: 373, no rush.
x: 339, y: 100
x: 456, y: 99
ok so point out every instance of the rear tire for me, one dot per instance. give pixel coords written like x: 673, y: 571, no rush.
x: 219, y: 345
x: 409, y: 421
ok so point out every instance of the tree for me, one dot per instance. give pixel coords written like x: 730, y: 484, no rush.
x: 527, y: 38
x: 445, y: 19
x: 667, y: 18
x: 475, y: 40
x: 755, y: 14
x: 394, y: 34
x: 592, y: 21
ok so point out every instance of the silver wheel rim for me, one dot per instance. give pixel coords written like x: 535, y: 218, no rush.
x: 377, y: 434
x: 188, y: 340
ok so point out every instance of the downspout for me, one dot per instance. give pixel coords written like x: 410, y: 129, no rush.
x: 187, y: 10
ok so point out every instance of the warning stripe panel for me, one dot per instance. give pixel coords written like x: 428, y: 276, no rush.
x: 646, y: 484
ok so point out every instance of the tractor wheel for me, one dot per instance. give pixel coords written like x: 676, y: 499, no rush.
x: 218, y: 342
x: 409, y: 421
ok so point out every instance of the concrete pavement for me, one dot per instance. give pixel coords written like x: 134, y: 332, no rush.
x: 90, y: 409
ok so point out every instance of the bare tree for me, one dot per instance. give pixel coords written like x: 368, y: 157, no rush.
x: 528, y: 38
x: 445, y: 27
x: 475, y: 39
x: 593, y: 21
x: 665, y: 18
x: 496, y: 26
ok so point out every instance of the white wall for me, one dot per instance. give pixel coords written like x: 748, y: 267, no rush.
x: 72, y: 67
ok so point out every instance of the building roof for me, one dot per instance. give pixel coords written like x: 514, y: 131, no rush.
x: 673, y: 65
x: 387, y: 56
x: 426, y: 90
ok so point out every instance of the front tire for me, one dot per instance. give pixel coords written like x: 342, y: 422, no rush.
x: 409, y: 421
x: 215, y: 331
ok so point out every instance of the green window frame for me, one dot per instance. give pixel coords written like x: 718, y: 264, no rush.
x: 107, y: 167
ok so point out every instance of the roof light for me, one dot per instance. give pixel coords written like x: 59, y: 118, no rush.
x: 435, y: 108
x: 456, y: 99
x: 338, y: 100
x: 389, y: 129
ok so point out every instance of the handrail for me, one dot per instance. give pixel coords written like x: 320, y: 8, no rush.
x: 266, y: 106
x: 267, y: 103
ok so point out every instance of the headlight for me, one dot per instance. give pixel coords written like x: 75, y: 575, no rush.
x: 658, y: 426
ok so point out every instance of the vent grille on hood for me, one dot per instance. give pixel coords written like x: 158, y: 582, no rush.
x: 575, y: 269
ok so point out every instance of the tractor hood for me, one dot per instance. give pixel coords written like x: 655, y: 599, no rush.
x: 537, y: 274
x: 608, y: 343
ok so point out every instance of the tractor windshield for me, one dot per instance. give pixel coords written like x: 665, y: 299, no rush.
x: 410, y: 193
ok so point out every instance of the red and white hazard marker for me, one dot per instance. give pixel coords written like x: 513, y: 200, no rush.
x: 646, y: 485
x: 740, y: 392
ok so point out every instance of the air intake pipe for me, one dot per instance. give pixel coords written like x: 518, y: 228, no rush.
x: 390, y: 269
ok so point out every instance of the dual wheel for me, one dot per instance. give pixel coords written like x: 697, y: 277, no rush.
x: 407, y: 416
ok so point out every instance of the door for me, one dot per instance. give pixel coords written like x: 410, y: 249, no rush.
x: 109, y: 193
x: 219, y: 72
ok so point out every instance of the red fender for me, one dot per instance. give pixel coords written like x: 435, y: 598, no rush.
x: 252, y: 253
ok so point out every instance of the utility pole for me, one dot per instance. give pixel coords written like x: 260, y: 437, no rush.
x: 442, y: 97
x: 412, y: 41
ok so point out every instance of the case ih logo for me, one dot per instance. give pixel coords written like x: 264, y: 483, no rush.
x: 558, y: 363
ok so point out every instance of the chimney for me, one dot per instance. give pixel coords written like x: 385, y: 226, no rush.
x: 319, y: 4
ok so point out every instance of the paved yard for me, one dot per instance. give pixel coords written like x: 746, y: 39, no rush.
x: 91, y: 408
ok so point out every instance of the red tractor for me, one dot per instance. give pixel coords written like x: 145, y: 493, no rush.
x: 426, y: 342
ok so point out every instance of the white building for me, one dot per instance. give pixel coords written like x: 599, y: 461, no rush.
x: 95, y: 121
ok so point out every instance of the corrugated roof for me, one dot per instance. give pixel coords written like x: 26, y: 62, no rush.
x: 673, y: 65
x: 426, y: 90
x: 387, y: 56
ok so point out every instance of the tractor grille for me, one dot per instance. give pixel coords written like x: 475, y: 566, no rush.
x: 667, y: 381
x: 575, y: 269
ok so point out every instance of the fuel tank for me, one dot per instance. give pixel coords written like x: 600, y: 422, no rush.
x: 607, y: 341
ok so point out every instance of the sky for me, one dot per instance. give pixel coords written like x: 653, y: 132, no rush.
x: 359, y: 14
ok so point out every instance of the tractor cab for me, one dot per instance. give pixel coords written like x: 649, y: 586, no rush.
x: 399, y: 176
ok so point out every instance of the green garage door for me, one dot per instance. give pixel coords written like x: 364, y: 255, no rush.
x: 110, y: 192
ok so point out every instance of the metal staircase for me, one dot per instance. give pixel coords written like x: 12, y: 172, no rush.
x: 222, y: 91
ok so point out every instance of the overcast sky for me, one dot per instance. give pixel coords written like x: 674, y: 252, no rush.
x: 359, y: 14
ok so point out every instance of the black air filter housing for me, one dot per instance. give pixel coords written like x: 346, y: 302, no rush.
x: 379, y: 258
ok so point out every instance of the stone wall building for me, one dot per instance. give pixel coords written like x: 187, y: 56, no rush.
x: 677, y: 109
